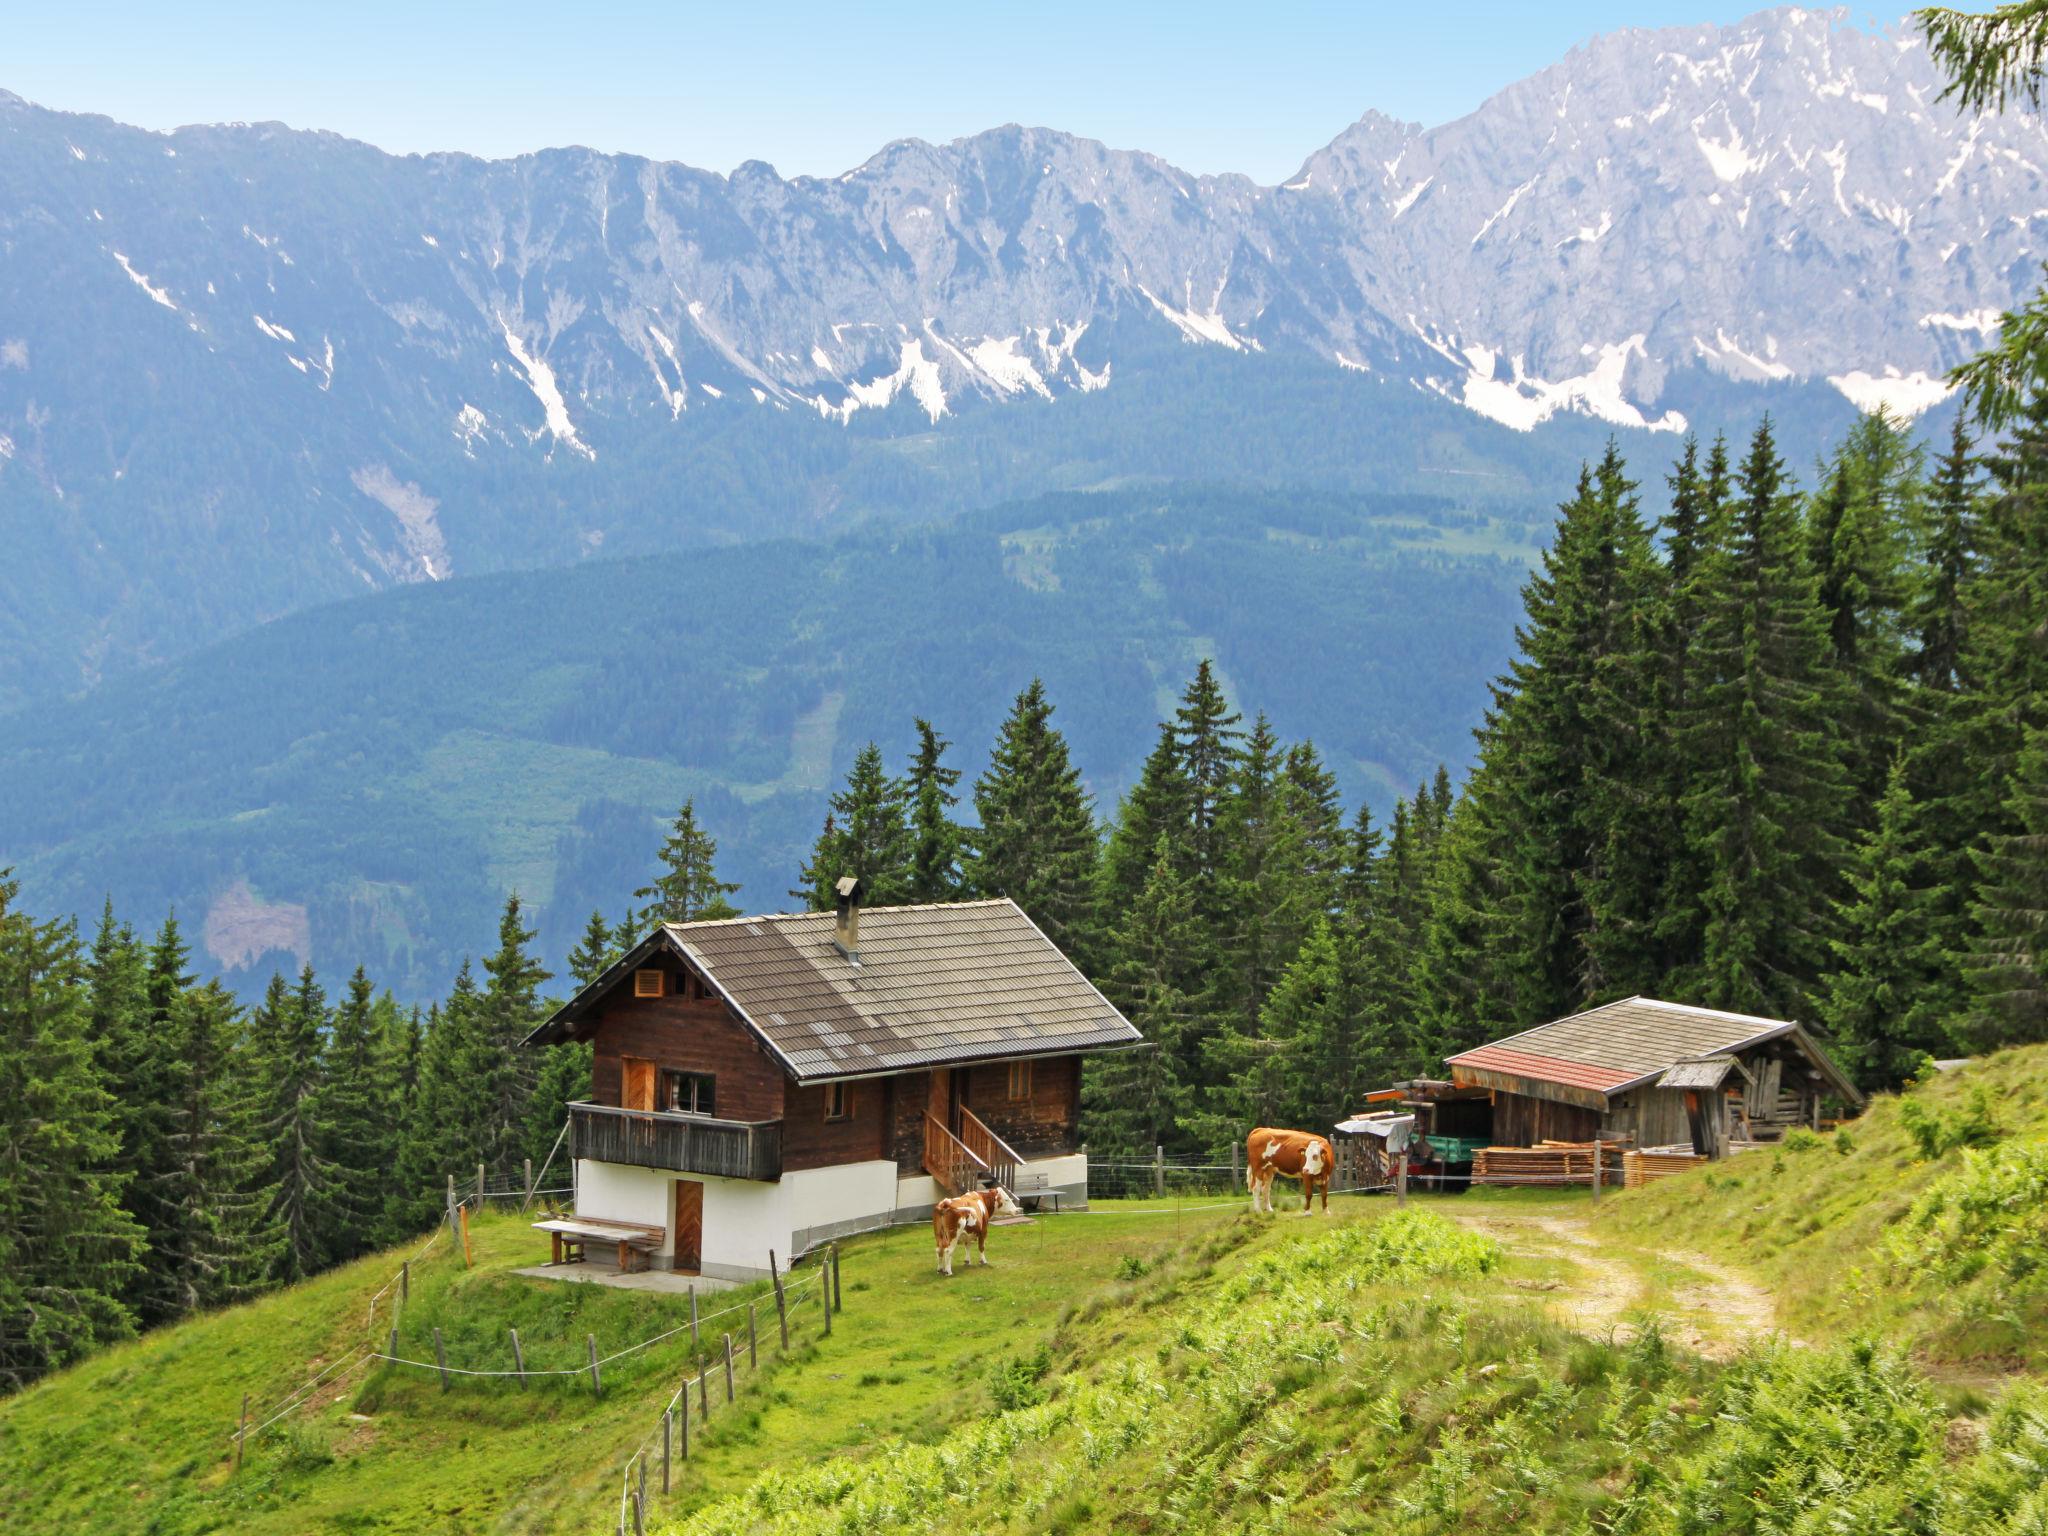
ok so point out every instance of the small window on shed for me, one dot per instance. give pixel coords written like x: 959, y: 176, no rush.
x: 650, y: 981
x: 1020, y: 1079
x: 838, y: 1101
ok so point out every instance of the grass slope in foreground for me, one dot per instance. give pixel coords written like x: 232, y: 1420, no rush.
x: 1925, y: 1220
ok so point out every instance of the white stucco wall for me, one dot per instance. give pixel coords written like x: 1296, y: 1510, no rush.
x: 745, y: 1218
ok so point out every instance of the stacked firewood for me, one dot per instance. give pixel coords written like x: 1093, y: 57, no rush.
x: 1555, y: 1163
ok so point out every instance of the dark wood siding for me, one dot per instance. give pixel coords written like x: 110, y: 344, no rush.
x: 907, y: 1097
x: 689, y: 1035
x: 809, y: 1140
x: 1045, y: 1123
x: 1519, y: 1121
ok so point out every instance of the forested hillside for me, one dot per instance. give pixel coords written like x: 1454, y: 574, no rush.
x: 1783, y: 753
x: 366, y: 782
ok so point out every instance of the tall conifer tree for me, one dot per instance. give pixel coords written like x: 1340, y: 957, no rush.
x: 1037, y: 843
x: 937, y: 843
x: 287, y: 1038
x: 688, y: 889
x: 1765, y: 779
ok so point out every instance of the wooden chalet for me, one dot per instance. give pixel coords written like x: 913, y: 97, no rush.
x: 1648, y: 1073
x: 771, y: 1082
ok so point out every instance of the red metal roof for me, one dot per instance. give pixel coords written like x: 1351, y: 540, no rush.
x: 1550, y: 1069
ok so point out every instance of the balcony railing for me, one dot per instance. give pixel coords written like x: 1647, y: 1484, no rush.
x: 732, y: 1149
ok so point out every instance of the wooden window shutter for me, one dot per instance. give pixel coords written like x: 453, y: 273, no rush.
x: 650, y: 981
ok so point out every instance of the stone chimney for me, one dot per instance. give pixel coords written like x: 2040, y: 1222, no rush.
x: 846, y: 931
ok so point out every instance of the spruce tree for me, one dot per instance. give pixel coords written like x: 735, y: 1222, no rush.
x: 688, y: 889
x: 1861, y: 529
x: 1260, y: 933
x: 1156, y: 807
x: 505, y: 1074
x: 216, y: 1244
x: 1951, y: 563
x: 866, y: 835
x: 1765, y: 778
x: 67, y: 1248
x: 142, y: 1064
x: 130, y: 1045
x: 1037, y: 843
x: 593, y: 954
x: 1206, y: 738
x: 1881, y: 1002
x: 1134, y: 1100
x: 356, y: 1113
x: 287, y: 1055
x: 446, y: 1132
x: 937, y: 845
x: 2008, y: 966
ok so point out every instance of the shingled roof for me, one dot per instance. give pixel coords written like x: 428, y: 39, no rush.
x: 934, y: 985
x: 1594, y: 1055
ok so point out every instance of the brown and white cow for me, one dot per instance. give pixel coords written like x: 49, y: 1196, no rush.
x: 1295, y: 1154
x: 968, y: 1216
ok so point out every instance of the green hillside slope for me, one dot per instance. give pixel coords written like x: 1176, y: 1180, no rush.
x: 1154, y: 1368
x: 1926, y: 1219
x: 332, y: 785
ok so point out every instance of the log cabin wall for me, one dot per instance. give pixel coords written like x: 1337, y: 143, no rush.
x: 1521, y: 1121
x: 688, y: 1034
x: 903, y: 1136
x: 1656, y: 1117
x: 1045, y: 1122
x: 809, y: 1140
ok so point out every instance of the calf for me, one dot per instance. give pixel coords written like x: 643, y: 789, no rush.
x: 967, y: 1216
x: 1297, y: 1154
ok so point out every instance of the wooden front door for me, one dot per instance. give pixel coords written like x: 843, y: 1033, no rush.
x: 688, y: 1228
x: 940, y: 1104
x: 636, y: 1082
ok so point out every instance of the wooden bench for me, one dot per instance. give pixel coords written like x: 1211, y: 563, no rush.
x: 636, y: 1243
x: 1033, y: 1190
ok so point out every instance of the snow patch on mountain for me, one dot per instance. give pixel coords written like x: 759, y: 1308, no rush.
x: 915, y: 373
x: 541, y: 380
x: 161, y: 295
x: 1903, y: 394
x: 419, y: 534
x: 1524, y: 401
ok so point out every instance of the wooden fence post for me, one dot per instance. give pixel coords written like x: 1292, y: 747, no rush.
x: 1233, y: 1167
x: 838, y: 1296
x: 518, y: 1357
x: 479, y: 1186
x: 825, y: 1297
x: 451, y: 1205
x: 242, y: 1432
x: 1158, y: 1172
x: 529, y: 1185
x: 693, y: 1317
x: 468, y: 1258
x: 596, y: 1382
x: 668, y: 1425
x: 703, y: 1390
x: 441, y: 1358
x: 683, y: 1418
x: 640, y: 1501
x: 1596, y: 1167
x: 1400, y: 1178
x: 405, y: 1281
x: 728, y: 1367
x: 781, y: 1302
x: 753, y: 1360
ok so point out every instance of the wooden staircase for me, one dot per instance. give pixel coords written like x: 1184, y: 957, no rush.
x: 964, y: 1162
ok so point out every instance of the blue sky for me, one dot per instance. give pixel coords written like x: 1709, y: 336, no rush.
x: 811, y: 88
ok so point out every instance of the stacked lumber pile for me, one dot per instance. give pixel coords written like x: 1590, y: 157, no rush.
x: 1654, y: 1163
x: 1554, y: 1163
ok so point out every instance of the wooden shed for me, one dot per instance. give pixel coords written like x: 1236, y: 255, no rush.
x: 1655, y: 1074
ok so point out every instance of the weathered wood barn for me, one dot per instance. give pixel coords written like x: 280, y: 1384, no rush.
x: 769, y: 1082
x: 1654, y: 1073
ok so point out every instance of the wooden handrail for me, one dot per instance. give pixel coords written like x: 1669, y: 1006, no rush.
x: 986, y: 1144
x: 948, y: 1159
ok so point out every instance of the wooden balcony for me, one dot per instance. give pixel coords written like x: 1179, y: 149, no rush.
x: 731, y: 1149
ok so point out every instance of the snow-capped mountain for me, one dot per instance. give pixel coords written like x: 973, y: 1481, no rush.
x: 335, y: 368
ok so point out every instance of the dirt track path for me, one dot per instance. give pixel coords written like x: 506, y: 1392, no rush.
x: 1609, y: 1287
